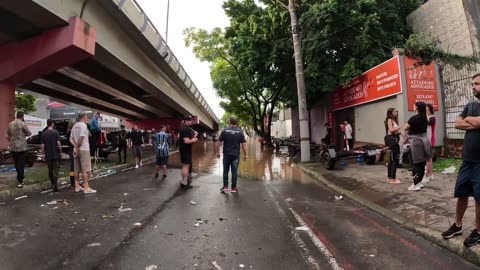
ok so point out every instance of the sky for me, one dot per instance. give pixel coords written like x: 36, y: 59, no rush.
x: 205, y: 14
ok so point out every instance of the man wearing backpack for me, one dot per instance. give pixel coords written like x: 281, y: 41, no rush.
x: 162, y: 146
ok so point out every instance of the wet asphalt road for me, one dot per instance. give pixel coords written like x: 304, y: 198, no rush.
x: 256, y: 228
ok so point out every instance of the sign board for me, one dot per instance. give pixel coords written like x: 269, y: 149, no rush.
x: 379, y: 82
x: 421, y: 83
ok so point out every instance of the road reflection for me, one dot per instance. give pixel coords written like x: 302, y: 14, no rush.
x: 263, y: 164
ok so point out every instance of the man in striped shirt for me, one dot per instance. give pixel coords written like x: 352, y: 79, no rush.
x: 162, y: 145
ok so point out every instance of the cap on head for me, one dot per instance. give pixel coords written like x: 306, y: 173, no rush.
x: 188, y: 118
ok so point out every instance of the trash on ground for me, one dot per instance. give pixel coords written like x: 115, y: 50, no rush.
x: 195, y: 265
x: 241, y: 265
x: 215, y: 264
x: 125, y: 194
x: 93, y: 245
x: 121, y: 209
x: 302, y: 228
x: 2, y: 203
x: 64, y: 183
x: 222, y: 219
x: 138, y: 224
x: 21, y: 197
x: 289, y: 199
x: 148, y: 189
x: 156, y: 226
x: 151, y: 267
x: 449, y: 170
x: 52, y: 202
x: 196, y: 224
x: 193, y: 203
x: 56, y: 207
x: 338, y: 197
x: 42, y: 205
x: 372, y: 255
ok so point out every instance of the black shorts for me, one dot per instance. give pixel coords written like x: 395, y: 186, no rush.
x: 186, y: 157
x: 162, y: 160
x: 468, y: 181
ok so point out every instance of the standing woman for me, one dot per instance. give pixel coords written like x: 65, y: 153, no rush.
x: 420, y: 146
x: 432, y: 122
x: 391, y: 140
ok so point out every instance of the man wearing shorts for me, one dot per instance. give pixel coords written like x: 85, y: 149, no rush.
x: 136, y: 142
x: 162, y: 145
x: 81, y: 153
x: 468, y: 180
x: 187, y: 137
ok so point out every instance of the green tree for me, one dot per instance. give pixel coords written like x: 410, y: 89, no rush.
x: 24, y: 103
x: 251, y: 61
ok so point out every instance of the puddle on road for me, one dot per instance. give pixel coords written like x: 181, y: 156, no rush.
x: 263, y: 164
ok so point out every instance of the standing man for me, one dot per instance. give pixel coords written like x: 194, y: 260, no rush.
x: 81, y: 153
x: 122, y: 144
x: 96, y: 132
x: 52, y: 151
x: 162, y: 145
x: 231, y: 137
x: 17, y: 133
x: 468, y: 179
x: 348, y: 134
x: 136, y: 142
x: 187, y: 137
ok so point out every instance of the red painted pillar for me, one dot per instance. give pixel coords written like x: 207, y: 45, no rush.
x: 26, y: 60
x: 7, y: 103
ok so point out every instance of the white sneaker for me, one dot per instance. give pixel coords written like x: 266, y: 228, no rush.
x: 425, y: 180
x: 420, y: 185
x: 141, y: 164
x: 90, y: 191
x: 414, y: 187
x: 136, y: 166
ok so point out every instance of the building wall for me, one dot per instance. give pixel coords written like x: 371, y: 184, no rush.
x: 445, y: 20
x: 288, y: 128
x: 318, y: 118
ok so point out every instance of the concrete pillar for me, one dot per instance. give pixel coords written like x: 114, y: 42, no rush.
x: 7, y: 103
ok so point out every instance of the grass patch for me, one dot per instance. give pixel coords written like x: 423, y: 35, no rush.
x: 443, y: 163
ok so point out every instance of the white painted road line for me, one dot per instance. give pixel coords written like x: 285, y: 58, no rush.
x: 303, y: 248
x: 323, y: 249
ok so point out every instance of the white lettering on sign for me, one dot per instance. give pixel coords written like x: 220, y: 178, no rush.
x: 356, y: 92
x: 422, y: 84
x: 390, y: 78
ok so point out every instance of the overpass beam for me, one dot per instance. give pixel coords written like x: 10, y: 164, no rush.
x: 27, y: 60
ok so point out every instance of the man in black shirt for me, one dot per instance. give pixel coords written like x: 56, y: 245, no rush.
x: 122, y: 144
x: 52, y: 150
x: 468, y: 179
x: 136, y: 142
x: 231, y: 137
x: 187, y: 136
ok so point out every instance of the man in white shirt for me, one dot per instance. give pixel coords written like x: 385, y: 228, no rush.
x: 81, y: 153
x: 348, y: 134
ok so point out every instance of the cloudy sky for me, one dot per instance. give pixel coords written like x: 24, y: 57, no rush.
x: 206, y: 14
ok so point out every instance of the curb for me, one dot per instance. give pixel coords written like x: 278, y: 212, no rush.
x: 45, y: 185
x: 454, y: 245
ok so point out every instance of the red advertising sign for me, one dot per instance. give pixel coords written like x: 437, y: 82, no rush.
x: 379, y: 82
x: 421, y: 83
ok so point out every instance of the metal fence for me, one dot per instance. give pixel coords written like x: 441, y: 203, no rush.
x: 457, y: 93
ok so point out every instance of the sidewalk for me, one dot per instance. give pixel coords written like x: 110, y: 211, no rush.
x: 427, y: 212
x: 8, y: 180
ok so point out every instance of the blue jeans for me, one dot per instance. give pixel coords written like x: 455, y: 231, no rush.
x: 230, y: 161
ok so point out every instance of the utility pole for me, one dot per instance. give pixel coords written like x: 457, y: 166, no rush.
x: 302, y: 104
x: 168, y: 17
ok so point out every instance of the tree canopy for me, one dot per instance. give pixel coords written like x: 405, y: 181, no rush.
x: 252, y: 65
x: 24, y: 103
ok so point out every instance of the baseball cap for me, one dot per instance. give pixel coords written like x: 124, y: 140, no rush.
x: 188, y: 118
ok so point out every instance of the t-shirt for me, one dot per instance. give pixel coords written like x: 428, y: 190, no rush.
x: 185, y: 132
x: 418, y: 124
x: 122, y: 137
x: 232, y: 137
x: 80, y: 129
x: 162, y: 140
x: 136, y: 137
x: 50, y: 139
x: 471, y: 141
x: 348, y: 131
